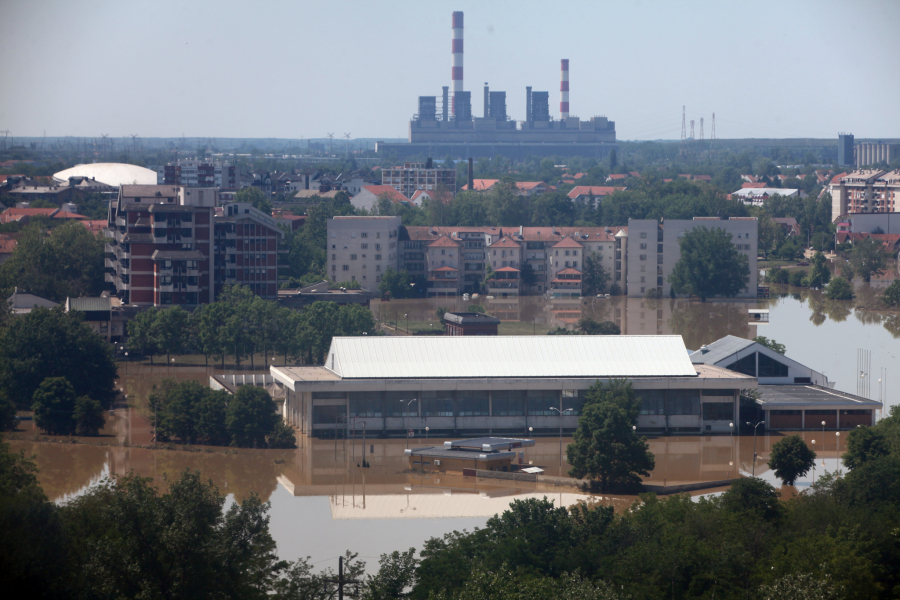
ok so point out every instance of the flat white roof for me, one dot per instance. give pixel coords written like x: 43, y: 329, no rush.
x: 430, y: 357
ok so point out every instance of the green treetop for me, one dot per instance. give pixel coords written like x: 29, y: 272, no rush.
x: 710, y: 265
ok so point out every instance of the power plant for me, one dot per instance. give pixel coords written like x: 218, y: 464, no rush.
x: 449, y: 127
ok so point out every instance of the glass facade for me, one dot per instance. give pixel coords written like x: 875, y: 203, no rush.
x: 401, y: 404
x: 437, y: 404
x: 509, y: 403
x: 473, y: 403
x: 366, y: 404
x: 540, y: 401
x: 653, y: 402
x: 684, y: 402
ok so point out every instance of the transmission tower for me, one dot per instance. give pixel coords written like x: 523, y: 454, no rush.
x: 347, y: 145
x: 701, y: 129
x: 330, y: 142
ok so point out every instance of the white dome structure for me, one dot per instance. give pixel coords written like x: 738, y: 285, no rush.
x: 115, y: 174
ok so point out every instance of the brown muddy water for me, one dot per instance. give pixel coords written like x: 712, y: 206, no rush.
x: 322, y: 503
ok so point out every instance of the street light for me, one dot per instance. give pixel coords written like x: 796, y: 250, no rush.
x: 406, y: 316
x: 823, y: 443
x: 837, y: 446
x: 561, y: 413
x: 426, y: 434
x: 406, y: 417
x: 814, y: 462
x: 754, y: 443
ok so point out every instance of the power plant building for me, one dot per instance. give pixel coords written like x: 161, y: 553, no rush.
x: 450, y: 127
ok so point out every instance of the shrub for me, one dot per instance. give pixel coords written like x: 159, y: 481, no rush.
x: 839, y: 289
x: 798, y: 278
x: 777, y: 275
x: 891, y: 295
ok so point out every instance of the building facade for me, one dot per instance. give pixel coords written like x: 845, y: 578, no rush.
x: 362, y: 249
x: 865, y: 191
x: 653, y: 250
x: 867, y: 153
x: 199, y: 173
x: 246, y: 250
x: 418, y: 176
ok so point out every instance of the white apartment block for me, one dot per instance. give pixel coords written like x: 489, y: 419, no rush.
x: 416, y: 176
x: 199, y: 173
x: 653, y: 250
x: 362, y: 249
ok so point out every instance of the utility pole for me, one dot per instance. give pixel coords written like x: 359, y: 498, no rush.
x: 340, y: 581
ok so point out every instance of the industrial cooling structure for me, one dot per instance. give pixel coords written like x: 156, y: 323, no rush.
x: 445, y: 125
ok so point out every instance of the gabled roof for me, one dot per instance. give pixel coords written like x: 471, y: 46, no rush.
x: 445, y: 241
x: 64, y: 214
x: 529, y: 185
x: 568, y: 242
x: 432, y: 357
x: 615, y: 176
x: 596, y: 190
x: 505, y: 243
x: 720, y: 350
x: 89, y: 304
x: 481, y: 185
x: 753, y: 184
x: 14, y: 214
x: 445, y: 269
x: 392, y: 193
x: 506, y: 270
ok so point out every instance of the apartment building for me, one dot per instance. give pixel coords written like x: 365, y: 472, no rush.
x: 246, y: 250
x: 166, y: 247
x: 653, y: 250
x: 418, y: 176
x: 159, y: 246
x: 199, y: 173
x: 865, y: 191
x: 362, y: 249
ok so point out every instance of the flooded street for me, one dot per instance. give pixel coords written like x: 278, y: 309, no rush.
x: 324, y: 503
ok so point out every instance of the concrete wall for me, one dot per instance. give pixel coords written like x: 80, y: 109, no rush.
x: 866, y: 222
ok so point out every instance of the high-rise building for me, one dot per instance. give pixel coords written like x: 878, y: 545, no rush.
x: 418, y: 176
x: 845, y: 149
x: 362, y: 249
x: 199, y: 173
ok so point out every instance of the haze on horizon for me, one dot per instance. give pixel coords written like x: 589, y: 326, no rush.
x: 282, y: 69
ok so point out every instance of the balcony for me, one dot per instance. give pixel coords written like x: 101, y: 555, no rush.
x: 444, y: 274
x: 110, y: 263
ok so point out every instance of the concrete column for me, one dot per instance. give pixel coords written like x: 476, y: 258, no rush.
x: 803, y: 419
x: 837, y: 420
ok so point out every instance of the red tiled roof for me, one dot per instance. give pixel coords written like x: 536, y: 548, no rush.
x: 445, y: 241
x: 753, y: 184
x: 579, y: 175
x: 7, y: 244
x: 64, y: 214
x: 528, y: 185
x: 837, y: 178
x: 30, y: 212
x: 506, y: 270
x: 667, y: 180
x: 596, y: 190
x: 569, y: 271
x: 703, y: 177
x: 634, y: 173
x: 94, y: 226
x: 393, y: 194
x: 481, y: 185
x: 447, y: 196
x: 617, y: 176
x: 568, y: 242
x: 505, y: 243
x: 445, y: 269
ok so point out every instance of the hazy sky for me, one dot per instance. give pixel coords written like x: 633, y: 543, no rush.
x: 303, y: 69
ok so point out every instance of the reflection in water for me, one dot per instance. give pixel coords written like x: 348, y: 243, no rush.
x: 701, y: 323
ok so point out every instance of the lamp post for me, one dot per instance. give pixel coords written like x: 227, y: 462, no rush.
x: 406, y: 316
x: 754, y: 443
x: 731, y: 427
x: 406, y: 417
x: 823, y: 443
x: 426, y: 435
x: 561, y: 413
x: 814, y: 462
x: 837, y: 447
x: 126, y: 364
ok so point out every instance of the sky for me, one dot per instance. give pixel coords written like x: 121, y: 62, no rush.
x: 299, y: 69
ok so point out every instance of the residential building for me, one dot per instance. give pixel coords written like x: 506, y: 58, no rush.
x: 246, y: 250
x: 199, y: 173
x: 419, y: 176
x: 367, y: 198
x: 756, y: 196
x: 865, y: 191
x: 469, y: 323
x: 523, y: 188
x: 22, y: 303
x: 362, y: 248
x: 653, y: 250
x: 24, y: 215
x: 100, y: 315
x: 888, y: 222
x: 421, y: 195
x: 592, y: 193
x: 443, y: 260
x: 501, y: 385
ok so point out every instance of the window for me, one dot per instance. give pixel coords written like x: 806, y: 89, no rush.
x: 508, y: 403
x: 643, y: 257
x: 364, y: 246
x: 328, y: 415
x: 363, y: 235
x: 366, y: 404
x: 437, y: 404
x: 769, y: 367
x: 718, y: 411
x: 746, y: 365
x: 377, y: 257
x: 573, y: 399
x: 643, y: 235
x: 345, y: 267
x: 653, y: 402
x: 398, y: 404
x: 472, y: 404
x: 352, y: 257
x: 643, y: 246
x: 684, y: 402
x: 540, y: 401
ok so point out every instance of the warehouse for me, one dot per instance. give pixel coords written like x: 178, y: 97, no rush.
x: 503, y: 385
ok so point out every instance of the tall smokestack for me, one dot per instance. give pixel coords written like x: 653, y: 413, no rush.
x: 471, y: 181
x: 564, y: 89
x: 487, y: 103
x: 528, y: 118
x: 456, y: 70
x: 445, y: 105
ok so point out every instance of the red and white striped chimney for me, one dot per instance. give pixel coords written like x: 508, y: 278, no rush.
x: 564, y: 89
x: 456, y: 69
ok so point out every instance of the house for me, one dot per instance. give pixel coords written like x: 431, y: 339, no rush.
x: 890, y: 241
x: 789, y: 225
x: 100, y: 316
x: 617, y: 177
x: 22, y: 303
x: 755, y: 184
x: 523, y: 188
x: 368, y: 197
x: 758, y: 196
x: 7, y: 246
x: 584, y: 193
x: 421, y: 195
x: 469, y: 323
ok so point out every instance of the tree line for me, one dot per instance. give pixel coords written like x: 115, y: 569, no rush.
x: 193, y: 414
x: 240, y: 324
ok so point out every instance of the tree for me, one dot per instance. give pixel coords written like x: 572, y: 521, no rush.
x: 863, y: 445
x: 210, y: 418
x: 752, y: 496
x: 88, y: 416
x: 256, y: 197
x: 868, y: 258
x: 594, y: 278
x: 818, y: 274
x: 798, y: 278
x: 891, y: 295
x: 171, y: 330
x: 710, y: 265
x: 250, y: 416
x: 53, y: 404
x: 527, y: 275
x: 605, y: 446
x: 802, y: 586
x: 791, y: 458
x: 141, y: 332
x: 613, y: 160
x: 396, y: 284
x: 589, y: 326
x: 839, y: 289
x: 396, y: 575
x: 282, y: 436
x: 8, y: 421
x: 771, y: 344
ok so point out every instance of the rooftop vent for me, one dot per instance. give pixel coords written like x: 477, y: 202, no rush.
x: 704, y: 349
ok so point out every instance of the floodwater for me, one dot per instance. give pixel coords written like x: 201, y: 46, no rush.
x: 322, y: 503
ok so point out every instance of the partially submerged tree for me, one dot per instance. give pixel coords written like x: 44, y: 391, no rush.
x: 710, y: 265
x: 791, y: 458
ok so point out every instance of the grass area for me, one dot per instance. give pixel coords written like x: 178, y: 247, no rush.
x: 522, y: 328
x: 769, y: 264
